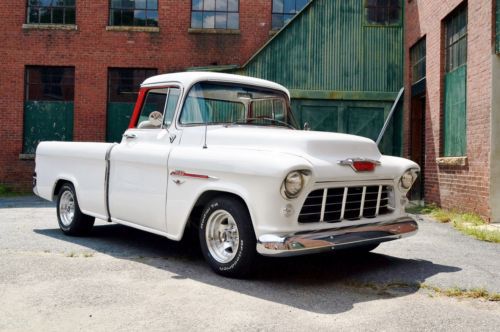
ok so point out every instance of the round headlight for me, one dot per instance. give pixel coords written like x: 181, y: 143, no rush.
x: 407, y: 180
x: 294, y: 182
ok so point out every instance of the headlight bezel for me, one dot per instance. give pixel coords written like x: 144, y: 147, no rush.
x: 302, y: 176
x: 407, y: 180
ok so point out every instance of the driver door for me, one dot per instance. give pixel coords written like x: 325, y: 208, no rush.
x: 138, y: 168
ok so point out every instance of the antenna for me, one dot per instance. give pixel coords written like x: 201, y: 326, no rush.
x: 389, y: 117
x: 206, y: 128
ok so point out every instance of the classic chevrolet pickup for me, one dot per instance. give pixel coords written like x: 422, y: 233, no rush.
x: 222, y: 154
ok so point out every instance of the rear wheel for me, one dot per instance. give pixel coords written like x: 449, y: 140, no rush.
x: 71, y: 219
x: 227, y: 237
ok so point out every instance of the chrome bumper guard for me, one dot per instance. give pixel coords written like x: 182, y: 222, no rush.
x: 308, y: 242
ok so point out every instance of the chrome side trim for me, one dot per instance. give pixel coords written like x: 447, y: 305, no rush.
x: 106, y: 180
x: 335, y: 238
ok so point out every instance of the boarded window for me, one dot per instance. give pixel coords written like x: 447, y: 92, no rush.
x: 455, y: 84
x: 51, y: 12
x: 417, y: 59
x: 48, y: 106
x: 383, y: 12
x: 215, y: 14
x: 123, y: 87
x: 285, y: 10
x: 133, y: 13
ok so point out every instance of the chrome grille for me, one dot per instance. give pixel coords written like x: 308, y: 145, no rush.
x: 345, y: 203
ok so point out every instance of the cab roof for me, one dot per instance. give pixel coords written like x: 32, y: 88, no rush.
x: 187, y: 79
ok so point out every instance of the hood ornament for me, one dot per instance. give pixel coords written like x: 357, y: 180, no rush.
x: 360, y: 164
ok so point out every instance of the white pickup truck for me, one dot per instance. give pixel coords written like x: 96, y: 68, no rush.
x: 223, y: 154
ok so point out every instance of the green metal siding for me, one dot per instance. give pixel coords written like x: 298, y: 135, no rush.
x: 46, y: 121
x: 118, y: 119
x: 327, y: 47
x: 343, y: 75
x: 352, y: 117
x: 455, y: 112
x: 498, y: 27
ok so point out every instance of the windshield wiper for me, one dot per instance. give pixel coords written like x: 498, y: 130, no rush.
x: 246, y: 121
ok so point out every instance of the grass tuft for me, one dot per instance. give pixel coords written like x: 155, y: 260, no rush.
x: 468, y: 223
x: 457, y: 292
x: 6, y: 191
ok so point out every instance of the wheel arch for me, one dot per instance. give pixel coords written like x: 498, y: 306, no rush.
x: 59, y: 183
x: 207, y: 196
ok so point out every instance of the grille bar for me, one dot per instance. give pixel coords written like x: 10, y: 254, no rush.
x: 323, y: 205
x: 350, y: 203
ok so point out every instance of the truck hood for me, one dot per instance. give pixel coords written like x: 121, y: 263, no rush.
x: 316, y: 144
x: 323, y: 150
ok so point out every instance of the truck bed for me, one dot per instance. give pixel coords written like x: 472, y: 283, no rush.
x: 83, y: 164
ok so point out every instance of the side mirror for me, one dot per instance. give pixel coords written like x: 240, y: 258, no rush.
x: 307, y: 127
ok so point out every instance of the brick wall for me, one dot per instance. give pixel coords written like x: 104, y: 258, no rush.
x: 455, y: 187
x: 92, y: 50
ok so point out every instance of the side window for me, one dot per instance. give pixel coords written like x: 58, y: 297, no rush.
x: 152, y: 111
x: 172, y: 99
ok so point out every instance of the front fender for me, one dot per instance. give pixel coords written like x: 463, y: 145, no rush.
x: 254, y: 176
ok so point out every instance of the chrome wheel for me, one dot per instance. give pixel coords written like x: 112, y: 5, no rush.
x: 67, y: 208
x: 222, y: 236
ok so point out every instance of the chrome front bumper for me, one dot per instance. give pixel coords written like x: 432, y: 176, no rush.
x: 308, y: 242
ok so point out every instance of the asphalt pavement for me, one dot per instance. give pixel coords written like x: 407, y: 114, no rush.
x: 124, y: 279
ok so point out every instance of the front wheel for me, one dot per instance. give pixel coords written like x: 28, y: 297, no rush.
x: 71, y: 219
x: 227, y: 237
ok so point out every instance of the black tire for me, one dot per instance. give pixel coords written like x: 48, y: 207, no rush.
x: 80, y: 224
x: 241, y: 265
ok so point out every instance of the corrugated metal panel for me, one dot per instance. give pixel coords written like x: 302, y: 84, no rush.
x: 328, y: 47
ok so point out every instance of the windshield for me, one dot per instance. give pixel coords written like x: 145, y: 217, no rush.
x: 218, y: 103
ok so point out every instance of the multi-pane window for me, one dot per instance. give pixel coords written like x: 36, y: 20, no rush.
x: 456, y: 40
x: 50, y: 83
x: 383, y: 12
x: 215, y: 14
x: 48, y: 105
x: 285, y: 10
x: 417, y: 60
x: 51, y: 12
x: 124, y: 83
x: 455, y: 84
x: 133, y: 12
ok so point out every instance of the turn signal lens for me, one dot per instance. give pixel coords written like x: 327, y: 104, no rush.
x: 363, y: 166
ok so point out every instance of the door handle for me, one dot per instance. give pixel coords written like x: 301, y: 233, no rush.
x: 129, y: 135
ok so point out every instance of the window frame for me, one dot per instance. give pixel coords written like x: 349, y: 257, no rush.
x: 27, y: 83
x: 145, y: 9
x: 273, y: 13
x: 423, y: 58
x: 397, y: 24
x: 51, y: 9
x: 168, y: 87
x: 215, y: 11
x: 185, y: 94
x: 108, y: 99
x: 447, y: 48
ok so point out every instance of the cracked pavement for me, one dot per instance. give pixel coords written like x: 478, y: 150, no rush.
x: 120, y: 278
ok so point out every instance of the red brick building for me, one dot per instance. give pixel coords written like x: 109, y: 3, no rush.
x: 453, y: 110
x: 70, y: 67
